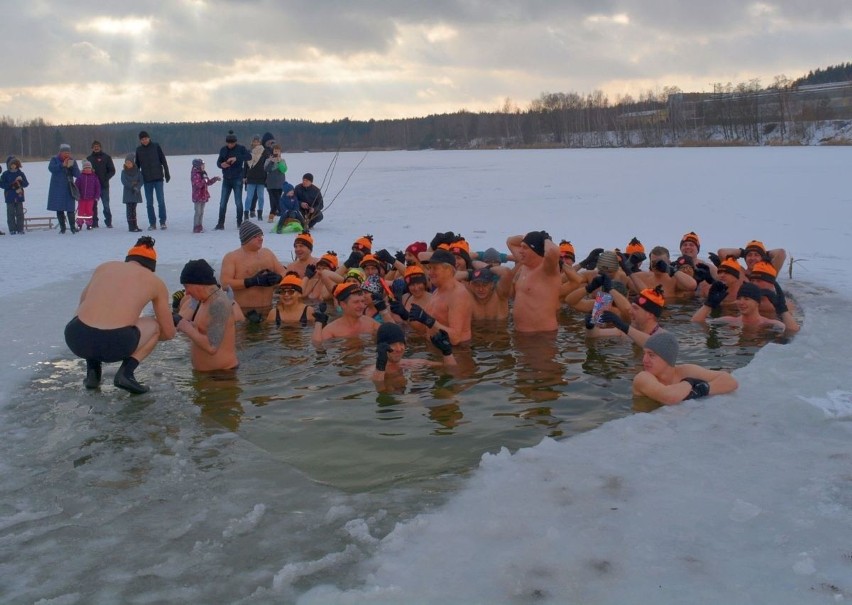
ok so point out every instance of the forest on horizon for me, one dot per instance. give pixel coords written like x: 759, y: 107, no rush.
x: 741, y: 114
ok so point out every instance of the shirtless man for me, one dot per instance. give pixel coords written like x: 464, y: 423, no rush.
x: 303, y: 247
x: 491, y: 288
x: 252, y: 272
x: 107, y: 328
x: 537, y: 281
x: 662, y: 273
x: 754, y: 252
x: 748, y: 304
x: 351, y: 299
x: 207, y: 319
x: 669, y: 384
x: 451, y: 306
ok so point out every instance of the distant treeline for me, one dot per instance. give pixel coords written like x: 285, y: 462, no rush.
x: 745, y: 113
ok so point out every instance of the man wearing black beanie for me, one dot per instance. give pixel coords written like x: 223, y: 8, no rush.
x: 537, y: 281
x: 207, y: 320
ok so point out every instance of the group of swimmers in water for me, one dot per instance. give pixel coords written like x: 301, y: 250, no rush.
x: 433, y: 291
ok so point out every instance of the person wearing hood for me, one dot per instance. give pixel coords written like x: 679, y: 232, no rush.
x: 13, y: 181
x: 62, y: 190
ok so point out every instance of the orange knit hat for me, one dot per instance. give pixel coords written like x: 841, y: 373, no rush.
x: 143, y: 253
x: 364, y: 244
x: 756, y: 246
x: 763, y: 270
x: 691, y: 237
x: 304, y: 238
x: 634, y: 246
x: 566, y: 248
x: 345, y: 290
x: 291, y: 280
x: 731, y: 266
x: 330, y: 258
x: 652, y: 300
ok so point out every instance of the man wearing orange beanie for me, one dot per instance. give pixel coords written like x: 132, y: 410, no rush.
x: 107, y: 326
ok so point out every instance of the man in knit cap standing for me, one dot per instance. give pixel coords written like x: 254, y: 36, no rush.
x: 252, y: 272
x: 667, y: 383
x: 231, y: 159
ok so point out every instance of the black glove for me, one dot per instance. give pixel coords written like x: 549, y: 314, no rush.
x: 442, y: 340
x: 442, y: 238
x: 320, y: 315
x: 400, y: 256
x: 399, y: 308
x: 385, y: 256
x: 637, y: 258
x: 177, y: 297
x: 254, y: 316
x: 663, y: 267
x: 416, y: 313
x: 591, y: 260
x: 702, y: 273
x: 717, y: 293
x: 168, y: 176
x: 176, y: 318
x: 700, y: 388
x: 354, y: 260
x: 379, y: 302
x: 615, y: 320
x: 382, y: 350
x: 777, y: 298
x: 263, y: 279
x: 714, y: 258
x: 602, y: 281
x: 310, y: 271
x: 624, y: 261
x: 590, y: 325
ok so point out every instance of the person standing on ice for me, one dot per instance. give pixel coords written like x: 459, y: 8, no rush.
x: 107, y: 326
x: 669, y: 384
x: 230, y: 160
x: 63, y: 170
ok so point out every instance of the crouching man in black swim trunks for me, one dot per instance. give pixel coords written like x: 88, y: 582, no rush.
x: 107, y: 326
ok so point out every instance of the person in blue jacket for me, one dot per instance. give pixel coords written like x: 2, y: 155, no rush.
x: 60, y: 194
x: 13, y: 181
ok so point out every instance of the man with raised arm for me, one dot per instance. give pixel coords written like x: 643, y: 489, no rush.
x: 107, y: 327
x: 252, y: 272
x: 537, y: 281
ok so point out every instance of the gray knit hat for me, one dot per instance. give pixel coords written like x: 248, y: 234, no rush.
x: 65, y: 147
x: 665, y: 345
x: 249, y: 230
x: 607, y: 260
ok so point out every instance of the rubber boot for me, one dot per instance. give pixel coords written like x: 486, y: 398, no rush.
x: 93, y: 374
x: 60, y: 216
x: 124, y: 378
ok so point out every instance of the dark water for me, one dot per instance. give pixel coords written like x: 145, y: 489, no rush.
x: 319, y: 412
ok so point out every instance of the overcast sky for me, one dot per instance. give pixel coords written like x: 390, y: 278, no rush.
x: 117, y: 61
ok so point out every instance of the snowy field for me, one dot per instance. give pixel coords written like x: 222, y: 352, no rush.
x: 745, y: 498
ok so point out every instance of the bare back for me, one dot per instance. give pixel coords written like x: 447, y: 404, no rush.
x: 118, y: 292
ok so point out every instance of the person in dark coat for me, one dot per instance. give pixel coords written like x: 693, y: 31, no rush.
x: 309, y: 199
x: 104, y: 168
x: 63, y: 170
x: 231, y: 159
x: 152, y: 162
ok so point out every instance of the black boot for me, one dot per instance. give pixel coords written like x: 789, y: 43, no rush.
x: 221, y: 224
x: 124, y: 378
x: 71, y: 222
x: 60, y: 216
x: 93, y: 374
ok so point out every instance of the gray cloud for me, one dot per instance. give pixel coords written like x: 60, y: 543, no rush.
x: 327, y: 59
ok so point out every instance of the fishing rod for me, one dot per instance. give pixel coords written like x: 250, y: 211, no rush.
x: 346, y: 182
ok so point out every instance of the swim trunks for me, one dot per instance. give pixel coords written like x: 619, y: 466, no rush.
x: 101, y: 345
